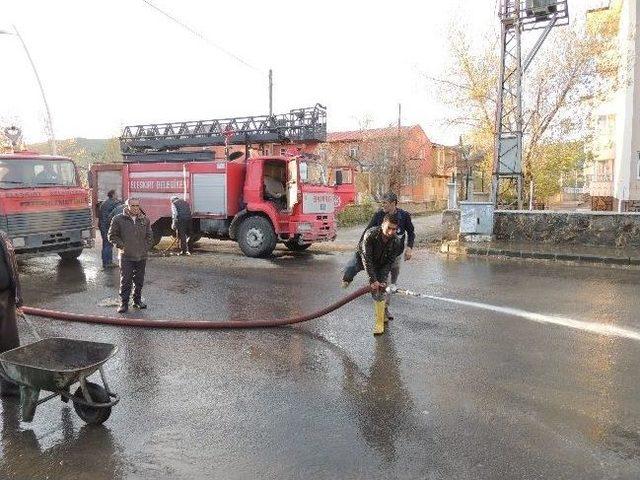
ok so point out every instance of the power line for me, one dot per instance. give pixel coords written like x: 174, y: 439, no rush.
x: 201, y: 36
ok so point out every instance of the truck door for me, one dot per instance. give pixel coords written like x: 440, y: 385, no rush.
x: 292, y: 184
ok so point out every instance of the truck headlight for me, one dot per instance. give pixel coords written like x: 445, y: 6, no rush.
x: 86, y: 233
x: 304, y: 227
x: 18, y: 242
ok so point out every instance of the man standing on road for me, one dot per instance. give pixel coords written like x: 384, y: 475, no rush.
x: 131, y: 233
x: 405, y: 230
x: 378, y: 250
x: 181, y: 222
x: 104, y: 213
x: 10, y: 303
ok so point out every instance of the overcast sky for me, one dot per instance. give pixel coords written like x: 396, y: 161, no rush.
x: 105, y: 64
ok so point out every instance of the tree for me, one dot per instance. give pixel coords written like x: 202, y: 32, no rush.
x: 558, y: 93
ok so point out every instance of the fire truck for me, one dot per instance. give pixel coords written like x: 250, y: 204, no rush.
x: 43, y: 206
x: 231, y: 195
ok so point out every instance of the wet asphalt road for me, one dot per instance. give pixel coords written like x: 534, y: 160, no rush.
x: 449, y: 392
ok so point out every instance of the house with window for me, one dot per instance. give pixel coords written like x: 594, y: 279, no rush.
x: 379, y: 160
x: 614, y: 174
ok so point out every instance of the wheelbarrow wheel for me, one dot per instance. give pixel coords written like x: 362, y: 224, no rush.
x: 92, y: 415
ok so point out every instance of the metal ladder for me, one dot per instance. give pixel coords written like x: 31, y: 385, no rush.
x: 302, y: 125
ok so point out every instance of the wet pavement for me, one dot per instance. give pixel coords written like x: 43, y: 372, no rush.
x: 449, y: 392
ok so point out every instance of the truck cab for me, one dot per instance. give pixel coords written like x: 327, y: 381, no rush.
x: 43, y: 206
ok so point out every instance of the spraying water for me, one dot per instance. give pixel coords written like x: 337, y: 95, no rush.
x: 593, y: 327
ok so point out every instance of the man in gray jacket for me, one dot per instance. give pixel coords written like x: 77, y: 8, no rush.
x: 130, y: 232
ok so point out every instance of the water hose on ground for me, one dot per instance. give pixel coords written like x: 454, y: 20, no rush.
x: 191, y: 324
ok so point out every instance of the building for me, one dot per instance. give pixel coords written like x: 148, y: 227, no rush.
x: 614, y: 175
x: 397, y: 159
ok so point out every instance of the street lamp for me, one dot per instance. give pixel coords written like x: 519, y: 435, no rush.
x: 52, y: 138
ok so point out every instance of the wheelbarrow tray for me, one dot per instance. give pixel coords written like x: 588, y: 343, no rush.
x: 54, y: 364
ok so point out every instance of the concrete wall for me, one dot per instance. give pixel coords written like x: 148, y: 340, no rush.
x: 568, y: 228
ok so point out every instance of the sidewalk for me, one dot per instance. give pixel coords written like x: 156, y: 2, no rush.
x: 579, y: 253
x: 428, y: 229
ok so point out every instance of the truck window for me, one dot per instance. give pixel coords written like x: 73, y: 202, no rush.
x: 25, y: 173
x: 313, y: 173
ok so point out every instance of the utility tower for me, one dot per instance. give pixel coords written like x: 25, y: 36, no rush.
x: 516, y: 17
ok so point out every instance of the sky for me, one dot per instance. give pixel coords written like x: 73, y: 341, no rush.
x: 106, y: 64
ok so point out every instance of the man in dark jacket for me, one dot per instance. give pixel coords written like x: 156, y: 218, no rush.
x: 104, y: 213
x: 131, y: 233
x: 405, y: 230
x: 181, y: 222
x: 10, y: 303
x: 377, y: 251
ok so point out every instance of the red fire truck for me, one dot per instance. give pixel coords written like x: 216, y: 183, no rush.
x: 43, y: 207
x: 231, y: 197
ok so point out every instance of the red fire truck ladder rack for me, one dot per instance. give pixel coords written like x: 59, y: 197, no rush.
x: 303, y: 125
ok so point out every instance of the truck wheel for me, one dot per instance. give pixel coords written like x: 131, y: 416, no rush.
x: 193, y: 239
x: 256, y: 237
x: 70, y: 254
x: 158, y: 233
x: 294, y: 246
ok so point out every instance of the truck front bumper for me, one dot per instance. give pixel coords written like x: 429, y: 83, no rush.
x: 317, y: 228
x: 52, y: 242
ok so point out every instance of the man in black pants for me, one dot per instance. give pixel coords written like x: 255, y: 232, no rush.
x: 181, y: 222
x: 377, y: 251
x: 10, y: 303
x: 131, y: 233
x: 104, y: 213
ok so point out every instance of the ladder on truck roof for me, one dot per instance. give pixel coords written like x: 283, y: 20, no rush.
x: 302, y: 125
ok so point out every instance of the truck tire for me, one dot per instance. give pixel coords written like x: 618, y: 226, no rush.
x: 256, y: 237
x: 294, y: 246
x: 158, y: 233
x: 70, y: 254
x: 193, y: 239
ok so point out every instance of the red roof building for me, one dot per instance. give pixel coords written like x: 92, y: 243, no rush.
x: 389, y: 159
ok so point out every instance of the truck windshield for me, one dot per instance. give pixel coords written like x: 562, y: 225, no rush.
x: 31, y: 172
x: 313, y: 173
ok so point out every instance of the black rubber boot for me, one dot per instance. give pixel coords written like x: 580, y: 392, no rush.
x: 140, y: 305
x: 123, y: 308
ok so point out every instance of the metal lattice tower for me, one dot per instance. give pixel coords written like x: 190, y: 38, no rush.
x: 517, y: 16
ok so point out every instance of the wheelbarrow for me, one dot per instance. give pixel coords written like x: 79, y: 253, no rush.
x: 54, y: 365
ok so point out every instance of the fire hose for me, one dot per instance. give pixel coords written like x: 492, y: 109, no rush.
x: 192, y: 324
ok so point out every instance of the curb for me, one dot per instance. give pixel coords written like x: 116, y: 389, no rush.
x: 454, y: 247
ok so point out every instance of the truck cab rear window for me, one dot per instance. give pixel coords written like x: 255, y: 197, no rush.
x: 25, y: 173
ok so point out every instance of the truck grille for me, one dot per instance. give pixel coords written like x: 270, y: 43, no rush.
x: 41, y: 222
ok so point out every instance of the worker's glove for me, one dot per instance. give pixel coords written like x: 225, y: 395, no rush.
x: 391, y: 288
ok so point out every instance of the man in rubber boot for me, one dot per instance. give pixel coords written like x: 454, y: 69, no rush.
x: 405, y: 230
x: 131, y: 233
x: 181, y: 222
x: 378, y: 250
x: 104, y: 214
x: 10, y: 303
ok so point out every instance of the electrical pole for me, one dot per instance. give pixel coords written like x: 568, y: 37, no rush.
x: 398, y: 161
x: 517, y: 16
x: 52, y: 137
x: 270, y: 92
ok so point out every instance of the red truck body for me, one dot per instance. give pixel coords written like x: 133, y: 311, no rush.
x: 43, y: 207
x: 228, y: 199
